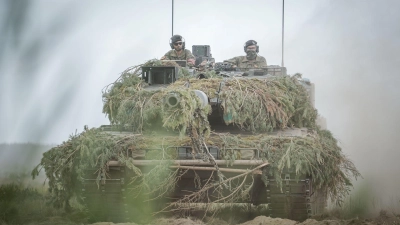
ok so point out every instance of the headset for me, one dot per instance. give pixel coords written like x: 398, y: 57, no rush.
x: 176, y: 38
x: 251, y: 42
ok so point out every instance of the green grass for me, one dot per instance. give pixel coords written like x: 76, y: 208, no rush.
x: 21, y: 204
x: 26, y: 205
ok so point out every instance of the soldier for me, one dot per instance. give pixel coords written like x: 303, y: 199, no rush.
x: 251, y: 60
x: 178, y: 52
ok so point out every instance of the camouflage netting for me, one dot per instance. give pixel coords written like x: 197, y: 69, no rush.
x: 251, y: 104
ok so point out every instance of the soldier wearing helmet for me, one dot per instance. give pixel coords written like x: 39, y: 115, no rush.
x: 178, y: 52
x: 251, y: 60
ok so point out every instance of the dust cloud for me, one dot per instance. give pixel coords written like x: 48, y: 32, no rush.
x: 350, y: 49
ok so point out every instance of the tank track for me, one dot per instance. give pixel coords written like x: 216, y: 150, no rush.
x: 106, y: 199
x: 297, y: 200
x: 110, y: 201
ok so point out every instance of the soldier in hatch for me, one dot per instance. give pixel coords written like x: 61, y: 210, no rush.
x: 251, y: 60
x: 178, y: 52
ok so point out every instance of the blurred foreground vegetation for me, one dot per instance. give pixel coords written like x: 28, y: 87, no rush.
x: 23, y: 201
x: 21, y: 204
x: 27, y: 205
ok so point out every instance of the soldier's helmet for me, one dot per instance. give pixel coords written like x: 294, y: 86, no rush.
x: 250, y: 42
x: 176, y: 38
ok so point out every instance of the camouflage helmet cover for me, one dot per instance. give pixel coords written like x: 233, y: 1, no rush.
x: 250, y: 42
x: 176, y: 38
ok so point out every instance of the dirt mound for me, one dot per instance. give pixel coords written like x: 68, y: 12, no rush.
x: 260, y: 220
x: 325, y: 222
x: 180, y: 221
x: 161, y: 221
x: 263, y: 220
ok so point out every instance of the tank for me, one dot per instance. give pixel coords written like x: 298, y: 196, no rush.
x: 203, y: 141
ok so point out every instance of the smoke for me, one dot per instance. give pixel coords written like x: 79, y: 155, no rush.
x: 350, y: 50
x: 18, y: 160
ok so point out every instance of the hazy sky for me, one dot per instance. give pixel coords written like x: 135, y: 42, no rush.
x: 56, y: 56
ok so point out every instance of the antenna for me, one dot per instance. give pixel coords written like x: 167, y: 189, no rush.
x: 172, y: 18
x: 283, y: 27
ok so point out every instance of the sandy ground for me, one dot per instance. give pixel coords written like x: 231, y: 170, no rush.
x: 262, y: 220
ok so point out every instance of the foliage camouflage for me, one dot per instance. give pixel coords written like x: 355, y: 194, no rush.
x: 128, y: 103
x: 252, y: 104
x: 317, y: 155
